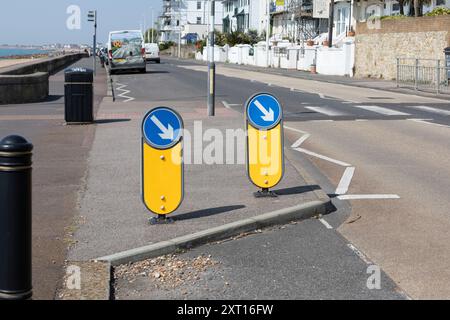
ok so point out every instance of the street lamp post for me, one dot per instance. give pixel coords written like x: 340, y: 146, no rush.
x: 153, y: 25
x: 211, y: 64
x: 92, y: 17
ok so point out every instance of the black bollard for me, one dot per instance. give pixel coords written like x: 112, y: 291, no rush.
x: 15, y: 218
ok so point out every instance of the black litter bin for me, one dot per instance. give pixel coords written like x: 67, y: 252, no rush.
x: 447, y: 61
x: 79, y: 95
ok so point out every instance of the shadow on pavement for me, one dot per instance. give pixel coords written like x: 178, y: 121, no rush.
x: 106, y: 121
x: 157, y: 72
x: 53, y: 97
x: 296, y: 190
x: 206, y: 212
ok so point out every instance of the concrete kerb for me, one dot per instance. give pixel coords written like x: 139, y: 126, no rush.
x: 283, y: 216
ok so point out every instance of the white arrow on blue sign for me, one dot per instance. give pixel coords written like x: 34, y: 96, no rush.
x: 264, y: 111
x: 162, y: 128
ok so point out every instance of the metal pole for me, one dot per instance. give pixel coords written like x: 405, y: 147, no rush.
x: 211, y: 64
x: 416, y: 75
x: 153, y: 25
x: 179, y: 42
x: 267, y: 33
x: 438, y: 76
x: 15, y: 218
x: 95, y: 44
x: 331, y: 24
x: 398, y: 73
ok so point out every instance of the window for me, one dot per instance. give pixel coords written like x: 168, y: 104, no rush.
x: 199, y: 20
x: 440, y: 2
x: 199, y: 5
x: 396, y: 7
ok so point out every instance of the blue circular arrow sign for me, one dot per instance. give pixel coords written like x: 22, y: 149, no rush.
x: 264, y: 111
x: 162, y: 128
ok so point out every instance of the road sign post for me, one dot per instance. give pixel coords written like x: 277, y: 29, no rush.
x: 162, y: 162
x: 265, y: 142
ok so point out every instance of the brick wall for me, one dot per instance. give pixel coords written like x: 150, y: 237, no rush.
x: 378, y: 48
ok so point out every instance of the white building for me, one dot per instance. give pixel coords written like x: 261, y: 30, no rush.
x: 348, y: 13
x: 188, y: 17
x: 244, y: 15
x: 295, y: 20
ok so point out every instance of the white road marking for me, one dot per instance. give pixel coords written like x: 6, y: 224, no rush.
x: 340, y: 163
x: 425, y: 121
x: 295, y: 130
x: 346, y: 179
x: 369, y: 197
x: 300, y: 141
x: 320, y: 120
x: 326, y: 224
x: 361, y: 255
x: 124, y: 92
x: 361, y: 120
x: 383, y: 111
x: 230, y: 105
x: 327, y: 111
x: 432, y: 110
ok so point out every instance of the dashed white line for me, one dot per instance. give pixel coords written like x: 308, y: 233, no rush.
x: 383, y: 111
x: 432, y: 110
x: 346, y: 179
x: 425, y: 121
x: 326, y: 224
x: 326, y: 111
x: 369, y: 197
x: 340, y: 163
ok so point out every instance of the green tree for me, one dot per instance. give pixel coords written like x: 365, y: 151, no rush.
x: 148, y: 35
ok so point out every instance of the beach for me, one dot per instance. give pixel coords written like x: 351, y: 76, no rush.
x: 10, y: 62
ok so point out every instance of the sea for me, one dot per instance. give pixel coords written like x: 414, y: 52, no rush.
x: 6, y: 52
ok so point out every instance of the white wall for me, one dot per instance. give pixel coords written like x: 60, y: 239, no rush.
x: 336, y: 61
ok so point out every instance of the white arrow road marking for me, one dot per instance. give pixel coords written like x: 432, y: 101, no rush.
x: 269, y: 116
x: 167, y: 133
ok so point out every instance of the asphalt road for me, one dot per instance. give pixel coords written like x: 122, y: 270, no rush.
x: 381, y: 156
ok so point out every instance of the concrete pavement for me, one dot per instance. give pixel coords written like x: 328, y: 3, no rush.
x: 114, y: 218
x: 59, y: 164
x: 379, y: 149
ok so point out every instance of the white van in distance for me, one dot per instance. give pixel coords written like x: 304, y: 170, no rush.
x: 152, y: 52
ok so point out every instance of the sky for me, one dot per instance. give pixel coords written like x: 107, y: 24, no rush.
x: 38, y: 22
